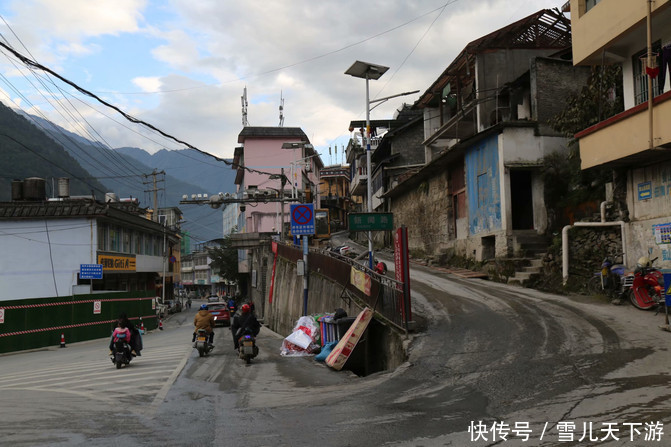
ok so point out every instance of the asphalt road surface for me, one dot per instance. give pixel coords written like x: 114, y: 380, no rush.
x: 488, y: 362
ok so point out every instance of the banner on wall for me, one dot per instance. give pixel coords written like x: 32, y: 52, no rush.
x: 360, y: 280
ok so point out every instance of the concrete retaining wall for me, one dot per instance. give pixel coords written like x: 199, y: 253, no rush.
x: 380, y: 349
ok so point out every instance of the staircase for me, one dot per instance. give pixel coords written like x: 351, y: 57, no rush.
x: 530, y: 248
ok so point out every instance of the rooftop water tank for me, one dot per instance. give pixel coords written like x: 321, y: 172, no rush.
x: 17, y: 189
x: 63, y: 187
x: 34, y: 188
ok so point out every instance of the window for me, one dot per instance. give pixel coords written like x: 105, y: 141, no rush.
x: 158, y: 245
x: 589, y: 4
x: 115, y: 238
x: 137, y: 242
x: 640, y: 78
x: 103, y: 231
x: 126, y: 240
x: 147, y: 244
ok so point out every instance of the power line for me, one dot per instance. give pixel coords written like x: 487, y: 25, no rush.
x: 30, y: 63
x: 95, y: 143
x: 49, y: 161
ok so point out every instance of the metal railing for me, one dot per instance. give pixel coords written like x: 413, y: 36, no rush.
x: 386, y: 294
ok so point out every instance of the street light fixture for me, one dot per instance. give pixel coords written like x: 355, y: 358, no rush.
x: 368, y: 71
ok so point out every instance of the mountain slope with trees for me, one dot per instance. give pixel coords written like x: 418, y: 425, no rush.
x: 26, y: 151
x: 31, y: 146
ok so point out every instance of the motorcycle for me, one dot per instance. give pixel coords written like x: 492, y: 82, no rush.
x: 121, y: 354
x: 201, y: 344
x: 610, y: 280
x: 247, y: 347
x: 647, y: 285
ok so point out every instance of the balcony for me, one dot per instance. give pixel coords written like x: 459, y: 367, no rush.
x: 622, y: 140
x: 461, y: 126
x: 358, y: 184
x: 603, y: 31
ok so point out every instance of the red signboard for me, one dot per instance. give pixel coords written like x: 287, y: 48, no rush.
x: 402, y: 269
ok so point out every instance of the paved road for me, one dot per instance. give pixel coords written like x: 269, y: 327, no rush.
x: 485, y: 352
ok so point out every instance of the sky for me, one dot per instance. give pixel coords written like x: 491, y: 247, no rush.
x: 182, y: 65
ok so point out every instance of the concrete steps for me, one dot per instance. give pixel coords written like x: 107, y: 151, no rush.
x: 533, y: 247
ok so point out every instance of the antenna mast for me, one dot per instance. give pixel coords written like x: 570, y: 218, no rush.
x: 243, y: 99
x: 281, y: 110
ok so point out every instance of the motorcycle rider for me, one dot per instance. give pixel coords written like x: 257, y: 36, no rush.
x: 135, y: 338
x: 232, y: 306
x: 204, y: 320
x: 119, y: 330
x: 242, y: 322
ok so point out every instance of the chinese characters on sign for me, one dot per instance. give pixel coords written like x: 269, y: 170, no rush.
x: 371, y: 221
x: 90, y: 271
x: 567, y: 431
x: 117, y: 263
x: 662, y: 233
x: 302, y: 219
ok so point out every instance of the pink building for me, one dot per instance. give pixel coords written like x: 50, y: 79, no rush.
x: 267, y: 153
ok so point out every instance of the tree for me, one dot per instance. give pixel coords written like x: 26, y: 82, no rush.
x: 566, y: 185
x: 225, y: 260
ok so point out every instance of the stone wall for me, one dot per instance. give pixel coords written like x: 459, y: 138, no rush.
x: 427, y: 211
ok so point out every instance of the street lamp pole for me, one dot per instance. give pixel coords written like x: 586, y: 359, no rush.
x: 368, y: 71
x: 369, y: 186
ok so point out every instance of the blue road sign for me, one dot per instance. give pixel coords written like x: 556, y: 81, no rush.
x: 302, y: 219
x: 90, y: 271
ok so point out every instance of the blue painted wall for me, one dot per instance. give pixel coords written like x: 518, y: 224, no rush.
x: 482, y: 183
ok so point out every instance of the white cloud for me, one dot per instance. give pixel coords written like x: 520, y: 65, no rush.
x: 205, y: 52
x: 148, y: 84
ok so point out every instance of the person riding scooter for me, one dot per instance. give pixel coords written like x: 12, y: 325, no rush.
x: 204, y: 320
x: 120, y: 332
x: 244, y: 321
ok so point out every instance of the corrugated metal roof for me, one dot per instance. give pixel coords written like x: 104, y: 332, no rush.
x: 545, y: 29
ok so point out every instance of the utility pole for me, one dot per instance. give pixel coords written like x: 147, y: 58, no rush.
x: 154, y: 190
x: 284, y: 182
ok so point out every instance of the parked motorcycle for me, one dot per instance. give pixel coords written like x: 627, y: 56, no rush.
x: 610, y: 279
x: 247, y: 346
x: 647, y: 287
x: 121, y: 355
x: 201, y: 344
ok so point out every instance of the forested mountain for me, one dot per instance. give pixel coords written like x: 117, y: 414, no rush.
x: 189, y: 166
x: 33, y: 147
x: 25, y: 151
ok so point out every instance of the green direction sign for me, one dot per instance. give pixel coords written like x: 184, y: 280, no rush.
x: 371, y: 221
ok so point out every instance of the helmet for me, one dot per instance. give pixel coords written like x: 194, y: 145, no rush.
x: 245, y: 308
x: 643, y: 262
x: 203, y: 307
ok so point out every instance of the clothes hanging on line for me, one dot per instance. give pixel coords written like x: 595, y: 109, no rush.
x: 665, y: 62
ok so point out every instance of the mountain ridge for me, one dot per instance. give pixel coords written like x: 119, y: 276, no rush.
x: 116, y: 170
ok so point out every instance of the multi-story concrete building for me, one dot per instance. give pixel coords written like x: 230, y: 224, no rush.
x: 50, y: 239
x: 266, y: 154
x: 334, y: 195
x: 486, y: 132
x: 635, y: 143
